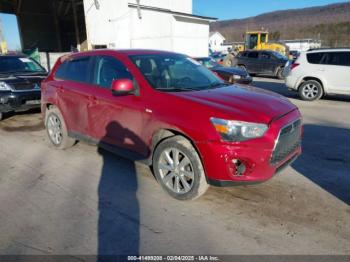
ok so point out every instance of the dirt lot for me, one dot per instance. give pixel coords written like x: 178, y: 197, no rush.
x: 86, y: 201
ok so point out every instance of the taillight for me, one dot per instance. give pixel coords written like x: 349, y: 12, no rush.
x: 294, y: 65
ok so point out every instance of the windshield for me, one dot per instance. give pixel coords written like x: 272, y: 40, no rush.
x: 208, y: 62
x: 173, y: 72
x: 13, y: 64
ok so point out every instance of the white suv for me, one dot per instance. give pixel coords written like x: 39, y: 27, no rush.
x: 318, y: 72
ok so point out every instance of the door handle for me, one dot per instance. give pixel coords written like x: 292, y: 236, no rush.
x: 92, y: 100
x: 60, y: 89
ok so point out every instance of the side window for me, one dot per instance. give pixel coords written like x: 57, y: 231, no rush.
x: 337, y: 58
x: 314, y: 58
x: 61, y: 71
x: 109, y: 69
x: 149, y: 68
x: 265, y: 56
x: 74, y: 70
x: 253, y: 55
x: 345, y: 58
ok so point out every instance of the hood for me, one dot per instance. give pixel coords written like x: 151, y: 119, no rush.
x: 24, y: 82
x: 230, y: 70
x: 242, y: 103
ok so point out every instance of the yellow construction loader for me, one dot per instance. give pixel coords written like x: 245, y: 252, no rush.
x: 3, y: 47
x: 259, y: 40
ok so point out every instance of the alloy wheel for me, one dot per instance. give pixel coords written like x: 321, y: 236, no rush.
x: 176, y: 170
x: 310, y: 91
x: 54, y: 128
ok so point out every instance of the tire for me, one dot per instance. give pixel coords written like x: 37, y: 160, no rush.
x: 57, y: 130
x: 185, y: 182
x: 310, y: 90
x: 279, y: 74
x: 1, y: 116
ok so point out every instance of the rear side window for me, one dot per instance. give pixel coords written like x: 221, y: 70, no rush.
x: 337, y: 58
x: 265, y: 55
x: 253, y: 55
x: 60, y: 73
x: 109, y: 69
x: 314, y: 58
x: 74, y: 70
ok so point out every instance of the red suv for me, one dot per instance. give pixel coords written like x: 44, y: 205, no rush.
x: 172, y: 113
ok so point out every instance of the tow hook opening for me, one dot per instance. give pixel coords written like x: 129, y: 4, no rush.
x: 240, y: 167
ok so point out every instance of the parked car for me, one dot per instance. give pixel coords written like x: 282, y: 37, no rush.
x: 20, y: 78
x: 228, y: 74
x: 218, y: 57
x: 262, y: 62
x: 319, y: 72
x: 294, y: 54
x: 170, y: 112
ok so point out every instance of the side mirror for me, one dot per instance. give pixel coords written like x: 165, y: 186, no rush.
x: 122, y: 87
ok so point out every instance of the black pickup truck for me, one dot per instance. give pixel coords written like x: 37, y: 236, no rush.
x: 20, y: 79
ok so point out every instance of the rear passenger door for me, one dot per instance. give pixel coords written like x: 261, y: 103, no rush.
x: 266, y: 64
x: 73, y: 86
x: 336, y: 69
x: 252, y: 63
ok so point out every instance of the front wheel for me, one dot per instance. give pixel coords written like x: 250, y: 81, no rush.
x: 310, y: 90
x: 57, y: 129
x: 178, y: 169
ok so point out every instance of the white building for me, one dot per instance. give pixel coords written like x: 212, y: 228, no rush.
x: 216, y: 42
x: 302, y: 44
x: 148, y: 24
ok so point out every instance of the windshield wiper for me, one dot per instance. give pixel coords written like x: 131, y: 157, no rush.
x: 218, y: 84
x: 176, y: 89
x: 28, y: 72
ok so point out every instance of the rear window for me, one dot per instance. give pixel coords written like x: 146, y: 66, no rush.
x: 314, y: 58
x: 74, y: 70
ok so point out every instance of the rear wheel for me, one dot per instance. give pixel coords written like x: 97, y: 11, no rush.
x: 178, y: 169
x: 57, y: 129
x: 310, y: 90
x: 280, y: 73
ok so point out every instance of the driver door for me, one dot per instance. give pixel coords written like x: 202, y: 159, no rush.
x: 116, y: 120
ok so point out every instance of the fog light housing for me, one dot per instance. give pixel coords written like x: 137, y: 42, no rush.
x: 240, y: 167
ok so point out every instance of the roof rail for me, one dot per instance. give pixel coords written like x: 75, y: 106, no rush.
x: 327, y: 48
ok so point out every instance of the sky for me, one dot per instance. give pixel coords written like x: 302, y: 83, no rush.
x: 10, y: 31
x: 235, y: 9
x: 222, y: 9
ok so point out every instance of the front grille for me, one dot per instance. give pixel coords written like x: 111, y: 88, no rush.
x: 26, y: 86
x: 288, y: 141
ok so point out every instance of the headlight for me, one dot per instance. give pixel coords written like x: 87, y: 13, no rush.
x: 4, y: 87
x: 237, y: 77
x: 230, y: 130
